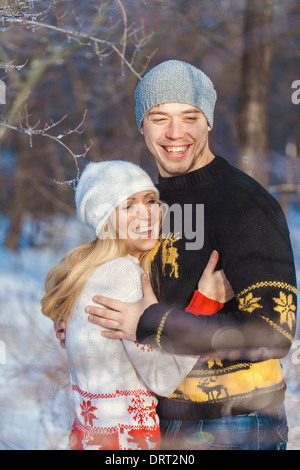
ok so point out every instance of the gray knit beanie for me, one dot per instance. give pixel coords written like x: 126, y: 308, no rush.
x: 175, y: 81
x: 103, y: 186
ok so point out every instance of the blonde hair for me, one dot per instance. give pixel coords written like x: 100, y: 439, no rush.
x: 66, y: 280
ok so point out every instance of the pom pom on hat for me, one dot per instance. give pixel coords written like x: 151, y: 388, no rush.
x: 175, y: 81
x: 103, y: 186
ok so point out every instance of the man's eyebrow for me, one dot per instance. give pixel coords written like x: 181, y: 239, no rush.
x: 186, y: 111
x: 151, y: 113
x: 192, y: 111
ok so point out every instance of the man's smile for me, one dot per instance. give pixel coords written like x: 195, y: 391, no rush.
x: 176, y: 151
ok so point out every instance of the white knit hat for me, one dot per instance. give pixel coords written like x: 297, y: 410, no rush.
x: 103, y: 186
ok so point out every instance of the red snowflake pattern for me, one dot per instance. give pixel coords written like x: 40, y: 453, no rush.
x: 87, y: 412
x: 141, y: 412
x: 144, y: 347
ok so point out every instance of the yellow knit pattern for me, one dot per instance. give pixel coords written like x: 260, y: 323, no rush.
x: 283, y: 303
x: 240, y: 380
x: 280, y: 285
x: 161, y: 327
x: 275, y: 303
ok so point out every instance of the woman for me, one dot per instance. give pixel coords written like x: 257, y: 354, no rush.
x: 114, y: 382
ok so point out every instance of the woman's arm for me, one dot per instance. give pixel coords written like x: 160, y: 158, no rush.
x: 161, y: 371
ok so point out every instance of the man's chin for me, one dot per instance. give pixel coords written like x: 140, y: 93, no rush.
x: 174, y: 168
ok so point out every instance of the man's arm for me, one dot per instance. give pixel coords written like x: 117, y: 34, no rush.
x: 123, y: 317
x: 259, y: 264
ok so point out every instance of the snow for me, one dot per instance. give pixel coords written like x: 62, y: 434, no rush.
x: 35, y: 398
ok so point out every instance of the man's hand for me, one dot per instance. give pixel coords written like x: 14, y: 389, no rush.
x: 121, y: 317
x: 214, y: 284
x: 60, y: 330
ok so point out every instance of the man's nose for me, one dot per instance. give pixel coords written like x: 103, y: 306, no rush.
x: 175, y: 130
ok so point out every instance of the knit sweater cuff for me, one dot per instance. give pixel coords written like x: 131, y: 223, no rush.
x: 149, y: 324
x: 202, y: 305
x: 151, y: 319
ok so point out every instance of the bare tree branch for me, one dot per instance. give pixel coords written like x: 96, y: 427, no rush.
x: 10, y: 65
x: 124, y: 39
x: 16, y: 14
x: 89, y: 39
x: 33, y: 130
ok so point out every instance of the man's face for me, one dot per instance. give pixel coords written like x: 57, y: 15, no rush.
x: 177, y: 136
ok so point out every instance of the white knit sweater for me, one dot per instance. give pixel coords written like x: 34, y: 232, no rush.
x: 114, y: 382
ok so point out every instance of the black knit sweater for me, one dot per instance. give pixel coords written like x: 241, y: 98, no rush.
x: 240, y: 346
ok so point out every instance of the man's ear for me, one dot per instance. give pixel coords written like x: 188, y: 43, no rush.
x: 142, y: 129
x: 208, y: 126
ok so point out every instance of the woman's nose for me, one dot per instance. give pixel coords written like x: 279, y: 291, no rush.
x: 142, y: 212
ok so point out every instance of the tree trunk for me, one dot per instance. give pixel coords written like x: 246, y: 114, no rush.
x: 16, y: 209
x: 254, y: 92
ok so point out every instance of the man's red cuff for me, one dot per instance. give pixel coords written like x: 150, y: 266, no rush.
x: 202, y: 305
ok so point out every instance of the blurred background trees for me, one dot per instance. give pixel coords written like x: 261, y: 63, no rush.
x: 71, y: 68
x: 255, y: 89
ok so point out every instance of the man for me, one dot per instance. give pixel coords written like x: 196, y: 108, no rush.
x: 233, y: 398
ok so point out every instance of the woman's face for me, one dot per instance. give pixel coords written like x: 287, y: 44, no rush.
x: 138, y: 221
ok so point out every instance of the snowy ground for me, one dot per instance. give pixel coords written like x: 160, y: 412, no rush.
x: 35, y: 401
